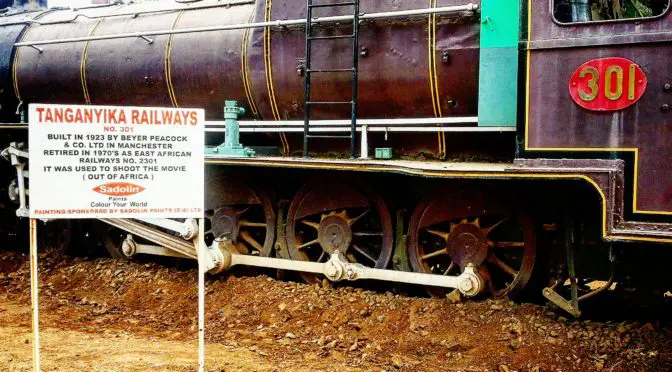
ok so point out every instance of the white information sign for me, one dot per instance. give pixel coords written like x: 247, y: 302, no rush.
x: 115, y: 162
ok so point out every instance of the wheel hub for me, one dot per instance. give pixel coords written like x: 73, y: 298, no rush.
x: 467, y: 244
x: 225, y: 224
x: 334, y: 234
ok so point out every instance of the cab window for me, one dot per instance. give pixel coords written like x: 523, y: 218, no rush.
x: 573, y: 11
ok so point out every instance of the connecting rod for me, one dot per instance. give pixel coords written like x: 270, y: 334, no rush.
x: 183, y: 247
x: 469, y: 282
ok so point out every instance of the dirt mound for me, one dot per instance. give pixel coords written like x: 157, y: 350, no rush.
x: 301, y: 326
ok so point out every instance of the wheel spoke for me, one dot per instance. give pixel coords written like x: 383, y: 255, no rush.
x: 363, y: 253
x: 312, y: 224
x: 442, y: 234
x: 502, y: 265
x: 488, y: 230
x: 250, y: 240
x: 508, y: 244
x: 450, y: 267
x: 244, y: 223
x: 367, y: 233
x: 242, y: 211
x: 434, y: 254
x: 304, y: 245
x: 353, y: 220
x: 242, y: 248
x: 322, y: 256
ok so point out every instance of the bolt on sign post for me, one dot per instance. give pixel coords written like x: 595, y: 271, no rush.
x: 114, y: 162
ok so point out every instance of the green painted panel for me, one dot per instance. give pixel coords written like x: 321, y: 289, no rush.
x: 498, y: 70
x: 498, y: 87
x: 500, y: 23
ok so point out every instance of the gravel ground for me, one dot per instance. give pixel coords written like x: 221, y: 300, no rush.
x: 260, y: 323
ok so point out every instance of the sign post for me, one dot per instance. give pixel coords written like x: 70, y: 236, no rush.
x: 34, y: 303
x: 114, y: 162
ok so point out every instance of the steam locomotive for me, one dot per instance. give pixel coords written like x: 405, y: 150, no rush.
x: 526, y: 139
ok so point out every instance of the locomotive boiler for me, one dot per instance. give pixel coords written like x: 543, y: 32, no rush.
x: 513, y: 140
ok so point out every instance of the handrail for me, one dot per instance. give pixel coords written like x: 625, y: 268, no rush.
x: 279, y: 23
x: 135, y: 14
x: 360, y: 122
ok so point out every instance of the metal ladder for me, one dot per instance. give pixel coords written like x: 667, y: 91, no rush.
x: 310, y: 71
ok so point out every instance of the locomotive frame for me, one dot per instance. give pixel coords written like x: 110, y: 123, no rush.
x: 509, y: 47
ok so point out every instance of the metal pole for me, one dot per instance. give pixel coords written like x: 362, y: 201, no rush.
x: 306, y: 82
x: 371, y: 122
x: 278, y: 23
x: 355, y: 79
x: 34, y: 294
x: 571, y: 272
x: 201, y: 294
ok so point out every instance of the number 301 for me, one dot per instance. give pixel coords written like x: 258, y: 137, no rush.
x: 610, y: 91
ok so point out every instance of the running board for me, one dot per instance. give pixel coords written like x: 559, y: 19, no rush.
x: 183, y: 247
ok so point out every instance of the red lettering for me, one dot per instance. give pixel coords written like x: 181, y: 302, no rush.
x: 111, y: 116
x: 167, y: 117
x: 68, y: 115
x: 98, y: 113
x: 144, y: 119
x: 178, y: 118
x: 78, y: 116
x: 88, y: 116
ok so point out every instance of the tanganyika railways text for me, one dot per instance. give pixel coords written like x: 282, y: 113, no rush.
x: 69, y: 115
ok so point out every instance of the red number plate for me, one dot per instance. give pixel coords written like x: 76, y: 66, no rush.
x: 607, y: 84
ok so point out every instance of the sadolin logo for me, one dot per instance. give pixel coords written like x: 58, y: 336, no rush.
x: 118, y: 189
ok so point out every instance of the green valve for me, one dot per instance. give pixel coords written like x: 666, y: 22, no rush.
x: 231, y: 148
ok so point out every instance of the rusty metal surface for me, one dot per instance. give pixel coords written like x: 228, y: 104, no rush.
x: 239, y: 212
x: 129, y: 71
x: 207, y: 68
x: 8, y: 36
x: 339, y: 215
x: 453, y: 228
x: 257, y: 67
x: 394, y: 77
x: 644, y: 126
x: 53, y: 75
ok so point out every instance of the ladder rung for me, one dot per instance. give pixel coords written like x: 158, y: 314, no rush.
x: 332, y: 5
x: 329, y: 103
x: 332, y: 70
x: 331, y: 37
x: 326, y: 136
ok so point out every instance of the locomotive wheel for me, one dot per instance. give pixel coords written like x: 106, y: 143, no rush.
x: 325, y: 217
x: 450, y: 230
x: 242, y: 214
